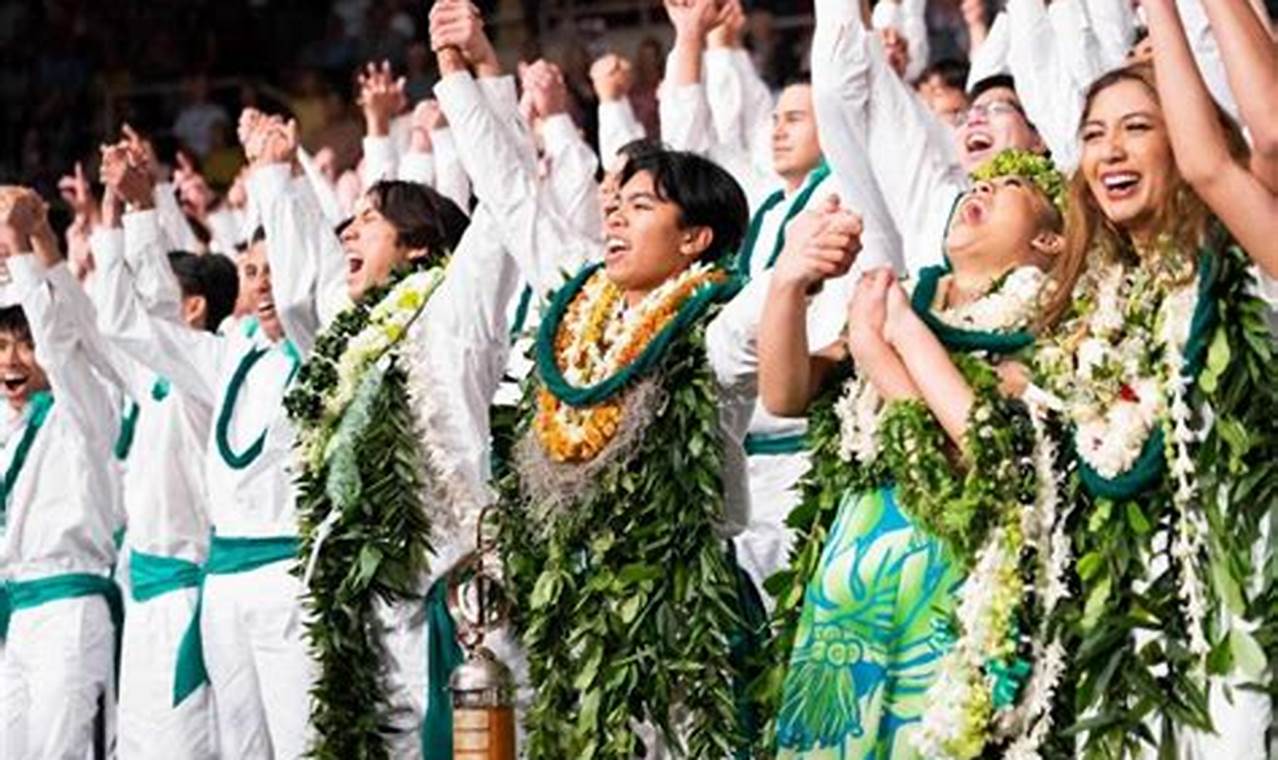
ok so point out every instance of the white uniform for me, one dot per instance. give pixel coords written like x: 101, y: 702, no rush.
x: 56, y: 671
x: 167, y: 508
x: 251, y: 621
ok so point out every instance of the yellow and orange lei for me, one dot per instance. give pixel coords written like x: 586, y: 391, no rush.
x: 597, y: 338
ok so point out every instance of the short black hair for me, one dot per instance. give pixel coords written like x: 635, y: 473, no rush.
x: 13, y: 320
x: 422, y: 217
x: 705, y: 194
x: 951, y: 71
x: 990, y: 83
x: 211, y: 276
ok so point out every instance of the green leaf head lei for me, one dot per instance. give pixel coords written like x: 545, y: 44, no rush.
x: 1038, y: 169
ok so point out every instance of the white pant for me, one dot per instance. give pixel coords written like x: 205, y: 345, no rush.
x: 1241, y: 721
x: 56, y: 666
x: 151, y: 728
x: 762, y: 548
x: 256, y: 655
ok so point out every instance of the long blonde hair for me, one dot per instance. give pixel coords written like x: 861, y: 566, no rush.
x: 1182, y: 214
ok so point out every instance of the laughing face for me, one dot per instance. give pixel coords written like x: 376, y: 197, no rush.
x: 994, y: 123
x: 1127, y: 158
x: 255, y: 279
x: 20, y: 375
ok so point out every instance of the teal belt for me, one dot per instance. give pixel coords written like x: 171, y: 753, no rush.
x: 227, y: 556
x: 25, y: 595
x: 765, y: 445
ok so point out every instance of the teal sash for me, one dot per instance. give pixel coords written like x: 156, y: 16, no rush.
x: 25, y: 595
x: 152, y: 575
x: 801, y: 200
x: 227, y: 556
x: 443, y: 656
x: 770, y: 445
x: 37, y: 411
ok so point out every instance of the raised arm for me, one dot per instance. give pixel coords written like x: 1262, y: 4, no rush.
x: 305, y: 256
x: 820, y: 246
x: 381, y: 97
x: 1246, y: 206
x: 618, y: 124
x: 572, y: 164
x: 1251, y: 66
x: 686, y: 123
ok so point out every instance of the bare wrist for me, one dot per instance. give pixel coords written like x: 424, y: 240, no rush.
x: 451, y: 61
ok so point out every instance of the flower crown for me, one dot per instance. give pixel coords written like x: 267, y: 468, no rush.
x: 1038, y: 169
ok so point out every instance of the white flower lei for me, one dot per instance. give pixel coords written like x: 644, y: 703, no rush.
x: 961, y: 718
x: 1138, y: 329
x: 1010, y: 306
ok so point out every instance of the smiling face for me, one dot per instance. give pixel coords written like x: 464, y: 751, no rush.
x: 645, y: 242
x: 255, y: 280
x: 1127, y: 158
x: 20, y: 375
x: 795, y: 148
x: 999, y: 225
x: 994, y: 123
x: 372, y: 248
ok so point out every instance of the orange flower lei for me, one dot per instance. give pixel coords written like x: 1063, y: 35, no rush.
x: 597, y: 338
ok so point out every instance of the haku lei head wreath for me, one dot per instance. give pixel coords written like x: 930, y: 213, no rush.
x: 1038, y: 169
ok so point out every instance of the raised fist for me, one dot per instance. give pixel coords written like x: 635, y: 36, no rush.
x: 458, y: 24
x: 820, y: 244
x: 427, y: 117
x: 544, y: 83
x: 732, y: 20
x: 124, y: 171
x: 693, y: 19
x: 612, y: 78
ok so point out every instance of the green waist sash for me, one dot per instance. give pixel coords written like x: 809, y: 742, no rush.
x: 227, y: 556
x: 771, y: 445
x: 25, y: 595
x: 443, y: 656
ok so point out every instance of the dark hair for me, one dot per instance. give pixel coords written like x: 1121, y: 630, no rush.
x: 13, y: 320
x: 422, y: 218
x: 991, y: 83
x: 951, y: 71
x: 259, y: 234
x: 212, y: 277
x: 798, y: 79
x: 706, y: 194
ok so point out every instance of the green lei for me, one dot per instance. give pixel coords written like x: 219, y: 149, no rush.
x: 369, y: 472
x: 1121, y: 686
x: 916, y: 455
x: 626, y: 600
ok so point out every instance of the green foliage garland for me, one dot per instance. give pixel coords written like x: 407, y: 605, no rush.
x: 626, y: 601
x: 1124, y: 682
x: 371, y: 475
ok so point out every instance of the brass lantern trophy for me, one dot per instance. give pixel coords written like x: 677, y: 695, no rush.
x: 482, y: 686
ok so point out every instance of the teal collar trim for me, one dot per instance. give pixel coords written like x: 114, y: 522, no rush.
x: 37, y: 412
x: 128, y: 427
x: 814, y: 180
x: 774, y: 445
x: 238, y: 460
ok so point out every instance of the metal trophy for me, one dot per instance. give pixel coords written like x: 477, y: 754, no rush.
x: 482, y: 686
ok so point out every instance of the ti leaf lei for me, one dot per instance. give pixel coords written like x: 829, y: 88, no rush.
x: 360, y: 496
x: 627, y: 601
x: 1124, y: 681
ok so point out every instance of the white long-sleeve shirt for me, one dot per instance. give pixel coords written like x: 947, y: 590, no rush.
x: 618, y: 126
x: 545, y: 248
x: 60, y: 514
x: 165, y: 498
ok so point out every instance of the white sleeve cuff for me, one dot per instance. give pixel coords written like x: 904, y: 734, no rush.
x: 107, y: 244
x: 558, y: 130
x: 266, y: 183
x: 379, y: 159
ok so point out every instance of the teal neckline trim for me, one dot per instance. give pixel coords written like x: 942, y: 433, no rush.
x: 241, y: 459
x: 128, y: 427
x: 521, y: 312
x: 815, y: 178
x: 1149, y: 467
x: 37, y: 412
x: 548, y: 369
x: 956, y: 338
x: 775, y: 445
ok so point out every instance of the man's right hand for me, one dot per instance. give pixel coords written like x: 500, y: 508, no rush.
x: 381, y: 96
x: 457, y: 24
x: 820, y: 244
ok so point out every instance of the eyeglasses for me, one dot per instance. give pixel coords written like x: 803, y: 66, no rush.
x: 986, y: 110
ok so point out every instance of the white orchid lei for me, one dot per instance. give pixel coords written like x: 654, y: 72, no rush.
x: 1119, y: 368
